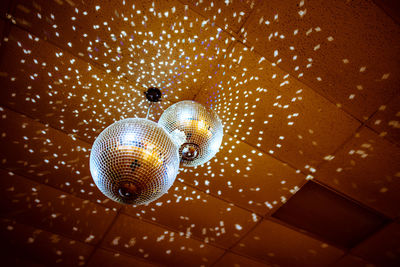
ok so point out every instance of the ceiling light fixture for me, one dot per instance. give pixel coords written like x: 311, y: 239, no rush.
x: 136, y: 161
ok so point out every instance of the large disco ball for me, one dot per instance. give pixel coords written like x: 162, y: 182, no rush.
x: 134, y: 161
x: 201, y: 127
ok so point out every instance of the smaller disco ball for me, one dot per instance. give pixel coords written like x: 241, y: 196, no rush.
x: 134, y: 161
x: 201, y: 127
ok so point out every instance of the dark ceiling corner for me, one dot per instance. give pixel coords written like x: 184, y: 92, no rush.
x: 334, y: 218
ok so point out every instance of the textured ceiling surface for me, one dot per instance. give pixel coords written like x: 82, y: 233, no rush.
x: 308, y: 173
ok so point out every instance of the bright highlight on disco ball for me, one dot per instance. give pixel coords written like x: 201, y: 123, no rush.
x: 201, y: 127
x: 134, y: 161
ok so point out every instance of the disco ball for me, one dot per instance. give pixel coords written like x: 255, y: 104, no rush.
x: 134, y: 161
x: 201, y: 127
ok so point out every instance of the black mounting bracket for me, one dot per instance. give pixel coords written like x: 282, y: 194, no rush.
x: 153, y: 94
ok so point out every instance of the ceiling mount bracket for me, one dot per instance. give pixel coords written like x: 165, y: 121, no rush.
x: 153, y: 94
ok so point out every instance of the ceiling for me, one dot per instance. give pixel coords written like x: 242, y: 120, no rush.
x: 308, y: 173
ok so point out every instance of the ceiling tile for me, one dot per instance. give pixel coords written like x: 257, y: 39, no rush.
x: 344, y: 224
x: 159, y: 43
x: 271, y: 110
x: 4, y: 7
x: 52, y: 210
x: 229, y: 15
x: 386, y: 121
x: 158, y: 244
x: 235, y: 260
x: 62, y: 90
x: 352, y: 261
x: 345, y: 50
x: 246, y: 177
x: 366, y: 169
x: 280, y: 245
x: 13, y: 260
x: 2, y: 27
x: 391, y: 7
x: 105, y: 258
x: 192, y: 212
x: 33, y: 244
x: 382, y: 248
x: 47, y: 156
